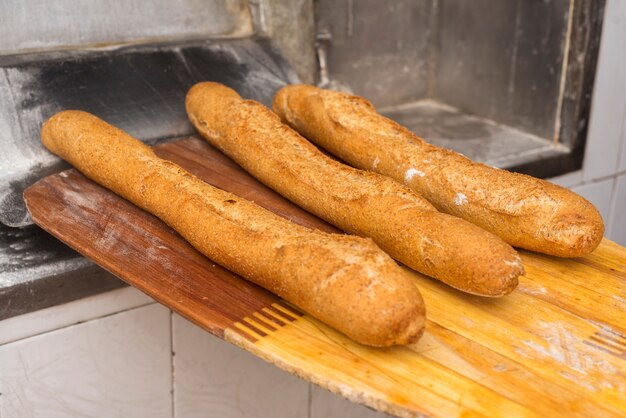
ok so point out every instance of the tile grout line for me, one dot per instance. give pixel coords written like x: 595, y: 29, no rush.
x: 597, y: 180
x: 172, y: 374
x: 310, y: 400
x: 73, y: 324
x: 614, y: 191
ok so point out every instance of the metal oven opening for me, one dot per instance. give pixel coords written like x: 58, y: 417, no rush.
x: 507, y: 83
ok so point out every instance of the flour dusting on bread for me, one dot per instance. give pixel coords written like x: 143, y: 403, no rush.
x: 460, y: 199
x: 412, y: 172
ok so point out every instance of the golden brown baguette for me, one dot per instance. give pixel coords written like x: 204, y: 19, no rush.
x: 400, y: 222
x: 345, y: 281
x: 524, y: 211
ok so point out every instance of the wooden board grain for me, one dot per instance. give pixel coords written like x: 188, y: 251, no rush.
x: 555, y: 347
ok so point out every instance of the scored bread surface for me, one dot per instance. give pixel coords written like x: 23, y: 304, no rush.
x: 402, y: 223
x: 524, y: 211
x: 345, y: 281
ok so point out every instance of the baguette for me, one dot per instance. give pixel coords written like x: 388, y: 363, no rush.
x: 405, y: 225
x: 524, y: 211
x: 345, y: 281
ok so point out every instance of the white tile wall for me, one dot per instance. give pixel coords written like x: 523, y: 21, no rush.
x: 325, y: 404
x: 119, y: 363
x: 605, y: 153
x: 569, y: 179
x: 213, y: 378
x: 81, y: 310
x: 622, y: 159
x: 618, y: 212
x: 117, y: 366
x: 609, y: 96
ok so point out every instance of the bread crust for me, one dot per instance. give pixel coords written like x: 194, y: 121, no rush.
x: 345, y: 281
x: 402, y: 223
x: 524, y: 211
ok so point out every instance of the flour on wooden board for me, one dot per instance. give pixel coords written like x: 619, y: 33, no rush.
x: 538, y: 290
x: 569, y: 350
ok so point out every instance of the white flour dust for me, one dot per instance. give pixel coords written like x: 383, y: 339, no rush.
x: 412, y: 172
x: 460, y: 199
x: 570, y: 351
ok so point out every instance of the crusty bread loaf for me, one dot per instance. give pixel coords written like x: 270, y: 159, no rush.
x: 524, y: 211
x: 400, y: 222
x: 345, y: 281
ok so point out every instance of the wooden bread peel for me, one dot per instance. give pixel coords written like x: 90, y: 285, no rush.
x: 556, y: 346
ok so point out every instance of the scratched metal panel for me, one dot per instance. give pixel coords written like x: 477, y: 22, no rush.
x: 379, y: 48
x: 496, y: 59
x: 477, y: 138
x: 290, y: 24
x: 503, y: 60
x: 140, y: 90
x: 37, y: 24
x: 37, y: 271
